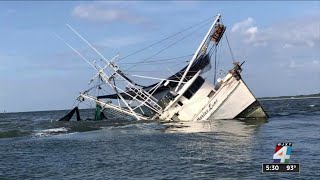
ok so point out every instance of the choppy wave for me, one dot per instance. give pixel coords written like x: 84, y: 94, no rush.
x: 39, y: 124
x: 53, y: 131
x: 116, y: 148
x: 13, y: 133
x: 291, y: 108
x: 52, y: 127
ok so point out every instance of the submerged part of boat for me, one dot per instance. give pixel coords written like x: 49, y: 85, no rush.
x: 184, y: 96
x: 70, y: 115
x: 99, y: 115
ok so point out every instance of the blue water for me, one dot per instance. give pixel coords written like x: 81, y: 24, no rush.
x: 34, y: 145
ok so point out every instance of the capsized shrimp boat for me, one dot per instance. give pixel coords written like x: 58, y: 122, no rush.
x: 184, y: 96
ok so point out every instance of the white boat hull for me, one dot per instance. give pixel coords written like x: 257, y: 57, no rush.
x: 233, y: 99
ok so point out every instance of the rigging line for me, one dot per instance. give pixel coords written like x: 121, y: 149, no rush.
x: 99, y: 87
x: 230, y: 49
x: 164, y: 39
x: 96, y: 90
x: 105, y: 91
x: 168, y: 59
x: 219, y: 53
x: 215, y: 67
x: 166, y: 47
x: 146, y: 71
x: 73, y: 103
x: 94, y: 87
x: 174, y: 74
x: 91, y: 104
x: 212, y: 49
x: 152, y: 63
x: 83, y: 102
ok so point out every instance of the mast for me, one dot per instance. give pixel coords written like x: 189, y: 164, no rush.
x: 201, y: 49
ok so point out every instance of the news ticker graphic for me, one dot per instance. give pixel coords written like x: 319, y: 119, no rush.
x: 281, y: 158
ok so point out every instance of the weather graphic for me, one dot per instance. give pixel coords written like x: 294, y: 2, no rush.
x: 282, y: 153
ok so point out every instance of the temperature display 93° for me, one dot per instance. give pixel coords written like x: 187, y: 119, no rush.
x: 293, y: 167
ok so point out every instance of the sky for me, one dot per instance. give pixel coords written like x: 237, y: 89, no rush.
x: 279, y: 42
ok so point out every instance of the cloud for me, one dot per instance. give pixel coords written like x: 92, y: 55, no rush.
x: 287, y: 45
x: 11, y: 11
x: 107, y: 12
x: 252, y: 31
x: 248, y: 30
x: 316, y: 62
x: 295, y: 33
x: 242, y: 24
x: 288, y: 49
x: 310, y: 67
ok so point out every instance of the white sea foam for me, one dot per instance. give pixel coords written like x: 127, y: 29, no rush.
x: 62, y: 129
x: 53, y: 131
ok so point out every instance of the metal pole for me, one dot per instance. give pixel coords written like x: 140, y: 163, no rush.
x: 197, y: 52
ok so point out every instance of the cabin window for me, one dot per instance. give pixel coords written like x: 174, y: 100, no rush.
x: 187, y: 94
x: 180, y: 103
x: 210, y: 94
x: 194, y: 87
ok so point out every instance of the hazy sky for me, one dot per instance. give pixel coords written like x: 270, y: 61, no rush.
x: 280, y: 42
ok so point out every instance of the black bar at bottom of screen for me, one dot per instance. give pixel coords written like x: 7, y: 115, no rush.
x: 281, y: 167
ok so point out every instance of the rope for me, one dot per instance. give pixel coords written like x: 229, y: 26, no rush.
x: 90, y: 105
x: 94, y: 87
x: 215, y: 67
x: 105, y: 91
x: 219, y: 53
x: 230, y: 49
x: 74, y: 103
x: 165, y: 48
x: 164, y: 39
x: 146, y: 71
x: 153, y: 63
x: 168, y: 59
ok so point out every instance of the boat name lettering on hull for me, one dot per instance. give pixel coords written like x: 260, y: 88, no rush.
x: 207, y: 110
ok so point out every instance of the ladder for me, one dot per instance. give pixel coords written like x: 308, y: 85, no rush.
x: 146, y: 97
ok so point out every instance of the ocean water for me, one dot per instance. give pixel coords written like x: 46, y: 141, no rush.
x: 33, y: 145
